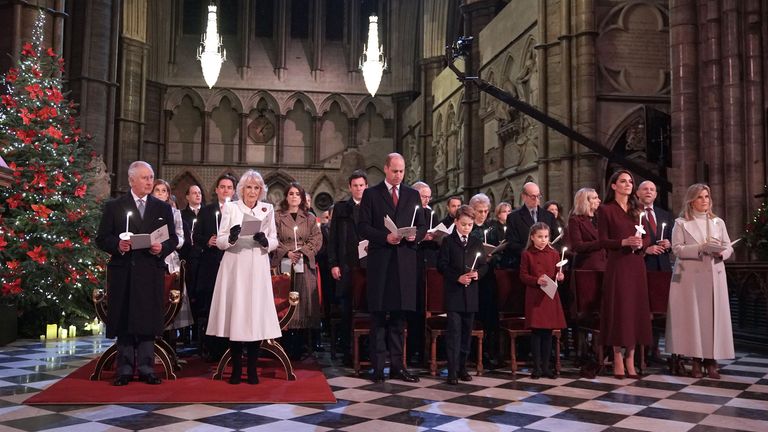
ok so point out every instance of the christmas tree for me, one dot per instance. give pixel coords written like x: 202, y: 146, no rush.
x: 48, y: 263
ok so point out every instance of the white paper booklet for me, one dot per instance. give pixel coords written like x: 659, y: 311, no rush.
x: 362, y: 249
x: 402, y: 232
x: 159, y: 235
x: 441, y: 231
x: 550, y: 289
x: 250, y: 226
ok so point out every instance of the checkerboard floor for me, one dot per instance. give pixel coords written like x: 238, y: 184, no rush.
x: 493, y: 402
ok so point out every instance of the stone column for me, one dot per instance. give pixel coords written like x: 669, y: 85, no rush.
x: 352, y: 35
x: 318, y: 35
x: 165, y: 133
x: 400, y: 102
x: 586, y: 102
x: 243, y: 144
x: 711, y: 73
x: 754, y: 128
x: 352, y: 139
x: 684, y: 61
x: 317, y: 125
x: 430, y: 68
x: 205, y: 137
x: 282, y: 37
x: 280, y: 138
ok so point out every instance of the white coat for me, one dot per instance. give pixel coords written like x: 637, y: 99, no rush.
x: 699, y: 315
x: 243, y: 306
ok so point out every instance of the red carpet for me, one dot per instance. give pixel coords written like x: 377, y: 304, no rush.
x: 193, y: 385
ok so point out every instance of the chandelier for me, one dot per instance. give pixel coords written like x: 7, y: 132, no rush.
x: 372, y: 61
x: 210, y: 52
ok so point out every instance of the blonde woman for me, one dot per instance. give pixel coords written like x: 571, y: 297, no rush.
x: 699, y: 316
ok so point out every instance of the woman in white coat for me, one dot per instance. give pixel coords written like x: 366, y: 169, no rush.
x: 243, y: 306
x: 699, y: 316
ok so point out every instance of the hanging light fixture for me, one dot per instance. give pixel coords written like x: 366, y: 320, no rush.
x: 372, y: 61
x: 210, y: 52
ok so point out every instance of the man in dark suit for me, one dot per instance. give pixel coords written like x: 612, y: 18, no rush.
x: 392, y: 287
x: 343, y: 258
x: 519, y: 223
x: 452, y: 206
x: 135, y: 277
x: 191, y: 252
x: 205, y: 237
x: 427, y: 257
x: 656, y: 219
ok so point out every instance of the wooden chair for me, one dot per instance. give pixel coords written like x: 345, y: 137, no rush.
x: 510, y: 298
x: 163, y: 351
x: 587, y: 288
x: 286, y: 302
x: 437, y: 323
x: 361, y: 319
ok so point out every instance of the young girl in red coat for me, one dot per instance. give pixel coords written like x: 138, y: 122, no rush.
x: 542, y: 314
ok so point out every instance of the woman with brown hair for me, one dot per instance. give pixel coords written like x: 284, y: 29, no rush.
x: 299, y: 239
x: 625, y: 317
x: 699, y: 315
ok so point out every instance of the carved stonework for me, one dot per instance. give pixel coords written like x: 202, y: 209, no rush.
x: 438, y: 146
x: 414, y: 169
x: 635, y: 137
x: 633, y: 49
x: 100, y: 184
x: 493, y: 159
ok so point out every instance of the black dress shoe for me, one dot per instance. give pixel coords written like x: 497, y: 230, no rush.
x: 121, y: 380
x: 377, y: 377
x: 150, y: 379
x: 464, y: 376
x: 403, y: 375
x: 452, y: 381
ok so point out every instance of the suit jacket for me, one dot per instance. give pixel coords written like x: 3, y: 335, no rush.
x: 210, y: 257
x: 453, y: 261
x: 135, y: 279
x: 659, y: 262
x: 583, y: 239
x: 428, y: 249
x: 519, y: 224
x: 343, y: 237
x: 190, y: 250
x: 387, y: 259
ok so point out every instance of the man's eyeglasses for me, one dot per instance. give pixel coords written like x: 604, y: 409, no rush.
x: 535, y: 196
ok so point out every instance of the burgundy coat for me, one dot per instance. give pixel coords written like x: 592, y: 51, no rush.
x: 540, y: 310
x: 625, y: 317
x: 583, y: 239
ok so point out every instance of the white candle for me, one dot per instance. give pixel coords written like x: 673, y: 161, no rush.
x: 413, y: 220
x: 562, y: 255
x: 217, y: 223
x: 432, y: 216
x: 475, y: 261
x: 127, y: 219
x: 295, y: 240
x: 505, y: 230
x: 640, y: 218
x: 485, y: 236
x: 663, y: 225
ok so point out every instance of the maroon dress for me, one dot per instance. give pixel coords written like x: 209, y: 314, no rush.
x: 541, y: 311
x: 625, y: 317
x: 583, y: 239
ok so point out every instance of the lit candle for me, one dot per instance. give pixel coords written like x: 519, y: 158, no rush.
x: 413, y: 220
x: 475, y: 262
x: 72, y: 331
x: 640, y: 218
x: 51, y: 331
x: 663, y: 225
x: 562, y: 255
x: 505, y: 230
x: 42, y: 338
x: 58, y: 333
x: 127, y: 219
x: 485, y: 236
x: 295, y: 239
x: 217, y: 223
x: 432, y: 216
x: 63, y: 333
x: 192, y: 231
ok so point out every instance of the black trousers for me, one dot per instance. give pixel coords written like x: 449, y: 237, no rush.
x: 458, y: 340
x: 135, y: 352
x: 387, y: 331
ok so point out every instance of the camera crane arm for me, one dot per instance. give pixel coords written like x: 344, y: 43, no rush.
x: 461, y: 49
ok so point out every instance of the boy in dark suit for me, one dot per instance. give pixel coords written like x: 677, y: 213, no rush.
x: 462, y: 262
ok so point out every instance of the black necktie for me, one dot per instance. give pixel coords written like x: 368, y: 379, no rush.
x: 463, y: 240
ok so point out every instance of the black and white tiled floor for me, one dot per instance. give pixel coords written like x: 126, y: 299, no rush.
x: 493, y: 402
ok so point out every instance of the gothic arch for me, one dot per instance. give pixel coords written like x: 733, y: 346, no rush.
x: 174, y: 97
x: 309, y: 105
x: 506, y: 70
x: 508, y: 194
x: 492, y: 198
x: 181, y: 182
x: 382, y: 108
x: 631, y: 118
x: 253, y: 101
x: 279, y: 177
x: 215, y: 99
x: 344, y: 104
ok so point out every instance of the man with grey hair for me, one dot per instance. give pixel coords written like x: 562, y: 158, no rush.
x: 519, y: 223
x: 135, y: 276
x: 427, y: 257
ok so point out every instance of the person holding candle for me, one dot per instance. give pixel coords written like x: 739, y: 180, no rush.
x: 658, y: 225
x: 699, y: 315
x: 519, y: 223
x: 462, y: 263
x: 191, y: 252
x: 343, y: 257
x: 426, y: 252
x: 499, y: 226
x: 556, y: 209
x: 299, y: 240
x: 391, y: 288
x: 135, y: 276
x: 625, y: 317
x: 581, y: 236
x: 206, y: 230
x: 542, y: 314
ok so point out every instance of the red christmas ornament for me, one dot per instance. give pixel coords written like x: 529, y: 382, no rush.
x: 38, y: 255
x: 41, y: 210
x: 3, y: 243
x: 34, y: 91
x: 54, y: 95
x: 80, y: 190
x: 12, y: 288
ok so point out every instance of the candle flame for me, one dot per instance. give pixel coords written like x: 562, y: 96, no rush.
x: 129, y: 214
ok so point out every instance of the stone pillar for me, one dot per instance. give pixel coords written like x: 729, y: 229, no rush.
x: 586, y: 100
x: 352, y: 139
x: 400, y: 102
x: 754, y: 128
x: 684, y: 60
x: 317, y: 125
x: 245, y: 19
x: 132, y: 77
x: 318, y: 35
x: 280, y: 138
x: 711, y: 74
x: 430, y: 68
x: 205, y: 137
x: 542, y: 52
x: 282, y: 37
x: 352, y: 35
x: 167, y: 116
x: 242, y: 145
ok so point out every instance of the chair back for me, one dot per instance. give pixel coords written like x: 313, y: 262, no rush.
x: 281, y: 286
x: 433, y: 299
x: 658, y: 290
x: 359, y: 290
x: 510, y: 293
x: 587, y: 287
